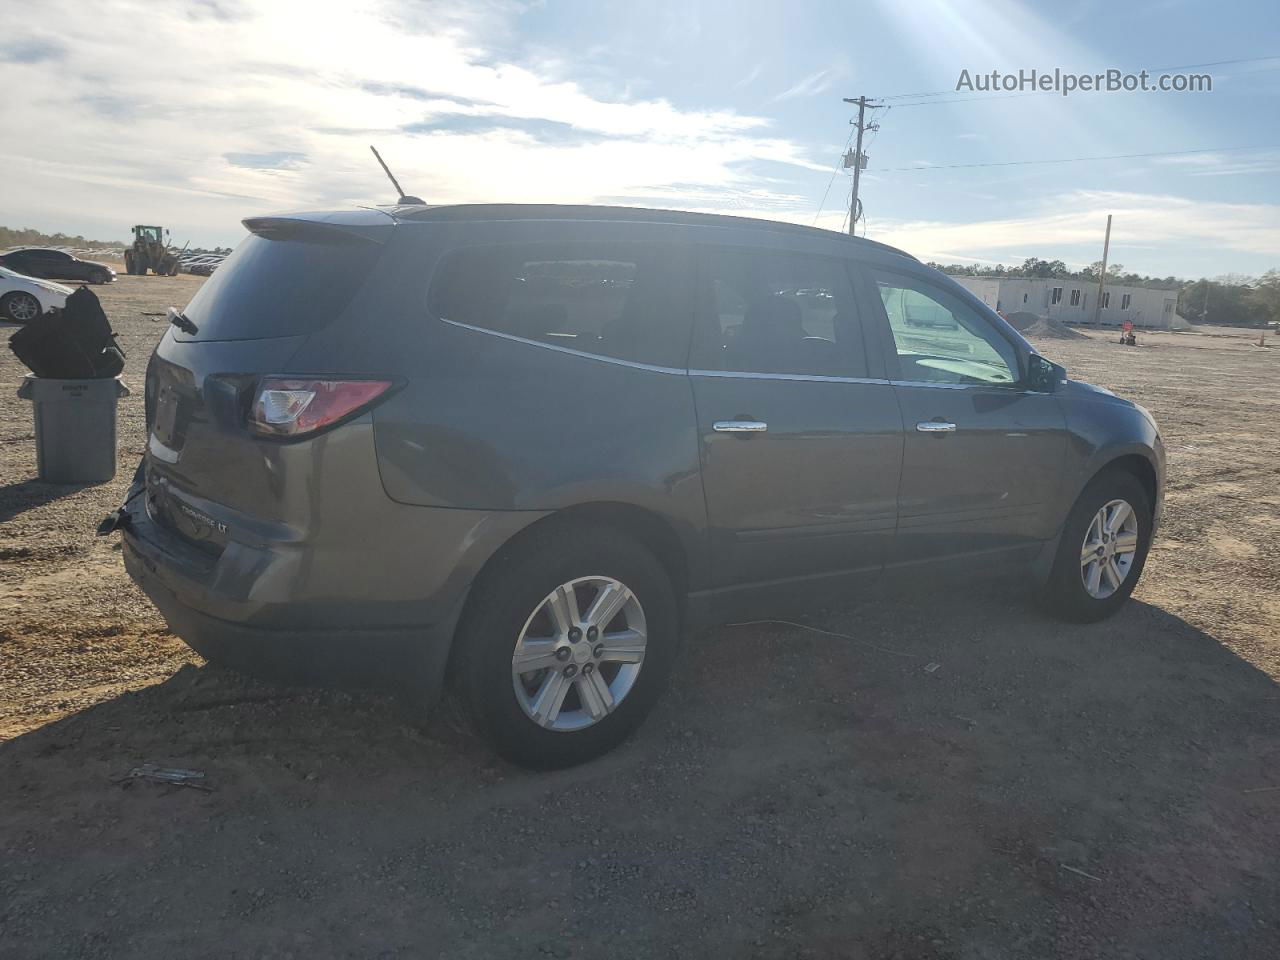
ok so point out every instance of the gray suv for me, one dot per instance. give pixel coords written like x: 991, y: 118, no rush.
x: 527, y: 448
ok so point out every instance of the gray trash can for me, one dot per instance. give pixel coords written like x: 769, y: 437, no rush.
x: 75, y: 427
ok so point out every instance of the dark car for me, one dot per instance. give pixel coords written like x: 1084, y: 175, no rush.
x: 56, y: 265
x: 528, y: 448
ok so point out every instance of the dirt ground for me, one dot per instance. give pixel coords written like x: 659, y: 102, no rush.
x: 1045, y: 791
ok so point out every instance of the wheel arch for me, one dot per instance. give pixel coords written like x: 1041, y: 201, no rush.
x: 658, y: 534
x: 1137, y: 463
x: 1140, y: 467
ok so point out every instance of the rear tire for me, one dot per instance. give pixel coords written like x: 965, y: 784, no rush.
x: 520, y: 605
x: 1110, y: 516
x: 18, y: 306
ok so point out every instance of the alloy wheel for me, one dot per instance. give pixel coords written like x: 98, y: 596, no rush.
x: 23, y: 307
x: 1110, y: 546
x: 579, y: 653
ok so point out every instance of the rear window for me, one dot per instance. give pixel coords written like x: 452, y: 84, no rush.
x: 624, y: 300
x: 280, y: 287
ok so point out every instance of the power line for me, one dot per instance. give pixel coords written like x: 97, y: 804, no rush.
x: 1185, y: 66
x: 834, y: 170
x: 1115, y: 156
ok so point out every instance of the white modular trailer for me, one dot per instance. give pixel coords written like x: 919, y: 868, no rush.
x: 1074, y: 301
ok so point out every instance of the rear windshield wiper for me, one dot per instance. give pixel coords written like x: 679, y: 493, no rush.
x: 180, y: 320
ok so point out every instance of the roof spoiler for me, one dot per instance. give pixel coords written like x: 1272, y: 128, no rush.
x: 307, y: 230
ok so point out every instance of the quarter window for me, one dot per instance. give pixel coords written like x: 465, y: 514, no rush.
x: 624, y: 300
x: 779, y: 313
x: 940, y: 339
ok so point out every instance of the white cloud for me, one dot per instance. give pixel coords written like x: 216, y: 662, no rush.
x: 809, y: 86
x: 269, y: 105
x: 1150, y: 233
x: 1223, y: 164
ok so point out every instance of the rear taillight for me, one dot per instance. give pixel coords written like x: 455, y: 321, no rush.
x: 289, y: 407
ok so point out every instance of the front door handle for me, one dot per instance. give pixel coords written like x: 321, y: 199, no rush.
x: 740, y: 426
x: 935, y: 426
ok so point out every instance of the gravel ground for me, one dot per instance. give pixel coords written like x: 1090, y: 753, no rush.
x: 1046, y: 790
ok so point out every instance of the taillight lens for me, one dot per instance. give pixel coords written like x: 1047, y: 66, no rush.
x: 287, y: 407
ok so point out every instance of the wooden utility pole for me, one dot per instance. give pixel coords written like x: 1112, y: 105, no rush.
x: 1102, y: 277
x: 856, y: 159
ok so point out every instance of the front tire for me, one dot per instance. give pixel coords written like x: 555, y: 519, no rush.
x: 566, y: 644
x: 19, y: 306
x: 1102, y: 551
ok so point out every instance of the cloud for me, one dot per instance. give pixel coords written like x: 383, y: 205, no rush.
x: 1160, y: 234
x: 288, y: 124
x: 749, y: 79
x: 1222, y: 164
x: 34, y: 49
x: 809, y: 86
x: 277, y: 160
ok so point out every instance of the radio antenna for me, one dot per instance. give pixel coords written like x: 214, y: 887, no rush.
x: 404, y: 197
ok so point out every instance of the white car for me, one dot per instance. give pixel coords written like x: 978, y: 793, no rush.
x: 24, y: 298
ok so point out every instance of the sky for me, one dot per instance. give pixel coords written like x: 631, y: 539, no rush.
x: 197, y: 113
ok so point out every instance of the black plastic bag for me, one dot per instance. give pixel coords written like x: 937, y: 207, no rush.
x: 75, y: 343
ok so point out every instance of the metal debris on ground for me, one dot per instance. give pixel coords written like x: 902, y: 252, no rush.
x: 931, y: 667
x: 174, y: 775
x: 1080, y: 872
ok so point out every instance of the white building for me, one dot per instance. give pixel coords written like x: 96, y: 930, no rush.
x: 1073, y: 301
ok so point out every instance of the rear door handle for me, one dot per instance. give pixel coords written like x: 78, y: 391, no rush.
x: 935, y: 426
x: 740, y: 426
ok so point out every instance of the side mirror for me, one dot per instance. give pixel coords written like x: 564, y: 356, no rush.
x: 1044, y: 376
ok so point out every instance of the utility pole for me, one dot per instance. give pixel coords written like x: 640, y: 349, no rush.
x: 1102, y: 277
x: 857, y: 159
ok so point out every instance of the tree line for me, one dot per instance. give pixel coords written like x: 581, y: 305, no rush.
x: 1232, y: 300
x: 27, y: 237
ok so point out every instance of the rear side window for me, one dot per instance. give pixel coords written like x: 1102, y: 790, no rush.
x: 281, y: 287
x: 629, y: 301
x: 764, y: 311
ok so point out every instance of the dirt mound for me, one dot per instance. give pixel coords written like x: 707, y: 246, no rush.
x: 1044, y: 327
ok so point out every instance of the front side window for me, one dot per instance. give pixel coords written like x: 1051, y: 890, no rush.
x: 940, y: 339
x: 624, y: 300
x: 763, y: 311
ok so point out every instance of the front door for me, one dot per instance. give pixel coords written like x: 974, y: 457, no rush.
x: 982, y: 453
x: 801, y: 439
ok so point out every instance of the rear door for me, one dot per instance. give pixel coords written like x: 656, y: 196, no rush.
x: 25, y: 262
x: 982, y: 453
x: 801, y: 439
